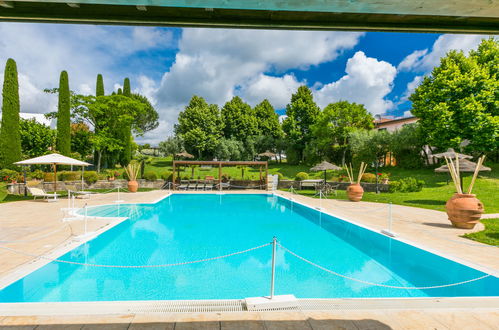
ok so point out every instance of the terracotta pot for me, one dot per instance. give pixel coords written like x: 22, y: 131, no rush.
x: 384, y: 181
x: 110, y: 178
x: 355, y: 192
x: 464, y: 210
x: 133, y: 186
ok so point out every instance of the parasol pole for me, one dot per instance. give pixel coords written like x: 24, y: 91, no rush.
x: 55, y: 178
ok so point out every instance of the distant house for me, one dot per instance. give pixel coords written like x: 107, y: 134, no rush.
x: 38, y: 117
x: 391, y: 124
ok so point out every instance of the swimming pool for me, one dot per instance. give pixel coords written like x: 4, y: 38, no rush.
x: 186, y: 227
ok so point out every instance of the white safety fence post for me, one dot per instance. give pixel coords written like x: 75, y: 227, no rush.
x: 85, y: 218
x: 272, y: 281
x: 388, y: 231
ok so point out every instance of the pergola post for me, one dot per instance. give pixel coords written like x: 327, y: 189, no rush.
x: 261, y: 175
x: 220, y: 176
x: 173, y: 175
x: 266, y: 176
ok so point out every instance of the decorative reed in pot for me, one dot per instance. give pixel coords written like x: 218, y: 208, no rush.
x: 132, y: 171
x: 355, y: 190
x: 463, y: 209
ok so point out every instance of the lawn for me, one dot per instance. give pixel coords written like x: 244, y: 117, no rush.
x: 488, y: 236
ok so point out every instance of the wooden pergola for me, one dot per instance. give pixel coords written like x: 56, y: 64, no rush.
x: 220, y: 164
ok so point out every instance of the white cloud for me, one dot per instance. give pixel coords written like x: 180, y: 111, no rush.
x: 411, y: 86
x: 424, y: 61
x: 216, y: 64
x: 277, y: 90
x: 367, y: 81
x: 42, y: 51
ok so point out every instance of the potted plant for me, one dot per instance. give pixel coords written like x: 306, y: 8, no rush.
x: 463, y: 209
x: 385, y: 177
x: 355, y: 190
x: 132, y: 172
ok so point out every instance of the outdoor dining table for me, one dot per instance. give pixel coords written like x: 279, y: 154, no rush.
x: 310, y: 183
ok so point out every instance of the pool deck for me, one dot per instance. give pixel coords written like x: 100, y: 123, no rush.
x: 36, y: 228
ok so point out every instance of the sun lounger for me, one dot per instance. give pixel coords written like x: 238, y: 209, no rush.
x: 78, y: 193
x: 192, y: 185
x: 184, y: 185
x: 37, y: 192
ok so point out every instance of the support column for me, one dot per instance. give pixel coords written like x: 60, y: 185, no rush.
x: 220, y: 176
x: 266, y: 175
x: 173, y: 175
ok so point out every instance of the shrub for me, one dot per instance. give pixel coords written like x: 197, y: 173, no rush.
x: 300, y: 176
x: 150, y: 176
x: 69, y: 176
x: 37, y: 174
x: 91, y: 177
x: 408, y: 184
x: 368, y: 177
x: 7, y: 175
x: 48, y: 177
x: 186, y: 177
x: 167, y: 176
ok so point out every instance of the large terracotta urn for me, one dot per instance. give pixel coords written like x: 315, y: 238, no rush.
x: 133, y: 186
x: 464, y: 210
x: 355, y: 192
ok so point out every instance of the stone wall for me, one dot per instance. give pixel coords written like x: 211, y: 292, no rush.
x: 18, y: 188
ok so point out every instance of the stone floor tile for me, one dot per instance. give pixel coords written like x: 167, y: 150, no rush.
x: 243, y: 325
x: 199, y: 325
x: 152, y: 326
x: 287, y: 325
x: 106, y: 326
x: 60, y: 327
x: 415, y: 320
x: 16, y: 327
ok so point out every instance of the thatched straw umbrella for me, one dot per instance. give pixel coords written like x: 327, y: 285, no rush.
x: 450, y: 153
x: 184, y: 154
x: 267, y: 154
x: 324, y: 166
x: 465, y: 166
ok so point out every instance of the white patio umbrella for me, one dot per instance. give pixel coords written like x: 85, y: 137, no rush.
x: 54, y: 160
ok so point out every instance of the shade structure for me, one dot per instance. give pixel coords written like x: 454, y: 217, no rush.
x: 267, y: 154
x: 450, y: 153
x: 465, y: 166
x: 54, y: 160
x: 184, y: 154
x: 325, y: 166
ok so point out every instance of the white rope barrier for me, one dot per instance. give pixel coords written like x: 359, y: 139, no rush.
x: 135, y: 266
x: 377, y: 284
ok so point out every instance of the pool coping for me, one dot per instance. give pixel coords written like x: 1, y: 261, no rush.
x: 118, y: 307
x: 484, y: 269
x: 37, y: 263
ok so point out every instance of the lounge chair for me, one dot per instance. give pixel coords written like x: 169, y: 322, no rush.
x: 208, y: 185
x: 184, y: 185
x: 200, y: 186
x: 192, y: 185
x: 78, y: 193
x: 37, y: 192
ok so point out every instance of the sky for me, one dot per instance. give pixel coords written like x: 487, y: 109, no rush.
x: 169, y: 65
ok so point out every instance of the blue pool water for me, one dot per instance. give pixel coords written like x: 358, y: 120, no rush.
x: 189, y: 227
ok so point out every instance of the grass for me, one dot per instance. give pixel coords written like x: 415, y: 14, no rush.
x: 488, y: 236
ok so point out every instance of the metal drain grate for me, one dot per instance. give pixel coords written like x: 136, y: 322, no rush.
x: 190, y: 306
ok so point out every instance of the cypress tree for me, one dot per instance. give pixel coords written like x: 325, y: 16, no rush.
x: 99, y: 89
x: 63, y: 142
x: 126, y: 87
x: 126, y: 131
x: 120, y: 91
x: 10, y: 138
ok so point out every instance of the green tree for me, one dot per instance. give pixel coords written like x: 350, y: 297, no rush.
x: 63, y: 142
x: 369, y: 146
x: 120, y: 91
x: 127, y: 91
x: 111, y: 114
x: 229, y: 149
x: 460, y: 100
x: 407, y: 145
x: 200, y: 126
x: 301, y: 114
x: 334, y: 125
x: 81, y: 139
x: 99, y: 86
x: 172, y: 146
x: 268, y: 120
x: 10, y: 138
x: 239, y: 120
x: 36, y: 139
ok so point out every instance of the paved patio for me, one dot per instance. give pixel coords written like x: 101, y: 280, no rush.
x: 35, y: 227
